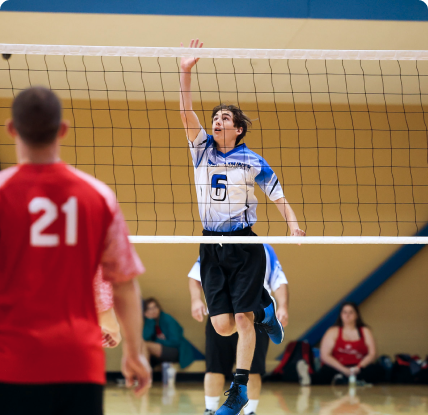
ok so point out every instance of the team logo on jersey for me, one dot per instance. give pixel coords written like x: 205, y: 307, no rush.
x: 218, y: 187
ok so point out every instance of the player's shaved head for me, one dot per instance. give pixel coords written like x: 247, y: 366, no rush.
x: 36, y: 114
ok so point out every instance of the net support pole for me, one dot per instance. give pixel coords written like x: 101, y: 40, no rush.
x: 287, y: 240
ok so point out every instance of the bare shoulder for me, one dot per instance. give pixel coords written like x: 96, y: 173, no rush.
x: 367, y: 331
x: 332, y: 333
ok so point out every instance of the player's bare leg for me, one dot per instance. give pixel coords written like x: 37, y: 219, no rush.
x: 254, y: 389
x: 237, y: 394
x: 224, y: 324
x: 213, y: 384
x: 154, y: 349
x: 246, y: 341
x: 213, y: 387
x: 254, y: 386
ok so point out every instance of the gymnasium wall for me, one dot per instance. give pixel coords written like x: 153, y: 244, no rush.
x: 319, y: 276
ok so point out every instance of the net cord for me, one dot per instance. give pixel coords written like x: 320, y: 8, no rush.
x: 160, y: 52
x: 287, y: 240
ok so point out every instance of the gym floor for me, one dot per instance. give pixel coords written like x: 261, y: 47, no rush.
x: 276, y: 399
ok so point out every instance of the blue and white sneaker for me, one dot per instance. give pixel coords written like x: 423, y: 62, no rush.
x: 271, y: 324
x: 236, y: 400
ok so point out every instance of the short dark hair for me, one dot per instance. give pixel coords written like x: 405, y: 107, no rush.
x: 148, y: 301
x: 359, y: 323
x: 36, y: 114
x: 239, y: 119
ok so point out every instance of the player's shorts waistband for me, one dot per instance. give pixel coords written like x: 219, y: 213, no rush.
x: 240, y: 232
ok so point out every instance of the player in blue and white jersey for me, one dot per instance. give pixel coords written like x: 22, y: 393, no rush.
x: 226, y: 172
x: 220, y: 351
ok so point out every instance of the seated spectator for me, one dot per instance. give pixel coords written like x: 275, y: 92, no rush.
x: 348, y: 348
x: 163, y: 336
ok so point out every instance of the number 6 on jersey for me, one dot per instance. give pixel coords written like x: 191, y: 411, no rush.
x: 38, y: 204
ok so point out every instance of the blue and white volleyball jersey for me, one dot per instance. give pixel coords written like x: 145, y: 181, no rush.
x: 274, y: 276
x: 225, y: 184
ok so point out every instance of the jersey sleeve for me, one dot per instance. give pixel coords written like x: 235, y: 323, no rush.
x: 268, y: 181
x: 277, y: 276
x: 278, y: 279
x: 195, y: 272
x: 199, y: 146
x: 119, y: 261
x: 103, y: 292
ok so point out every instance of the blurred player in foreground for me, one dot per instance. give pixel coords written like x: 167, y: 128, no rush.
x: 220, y: 351
x: 57, y: 224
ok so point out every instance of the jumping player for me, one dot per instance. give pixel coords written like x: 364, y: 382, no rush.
x: 57, y: 224
x: 220, y: 352
x: 226, y: 172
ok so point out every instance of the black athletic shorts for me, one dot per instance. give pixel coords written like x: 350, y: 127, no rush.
x: 51, y: 399
x: 220, y: 351
x: 232, y: 275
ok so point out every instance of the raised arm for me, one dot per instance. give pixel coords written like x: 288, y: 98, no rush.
x: 188, y: 117
x: 289, y: 216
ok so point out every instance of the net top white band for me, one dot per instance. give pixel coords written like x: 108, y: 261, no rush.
x: 22, y: 49
x: 289, y: 240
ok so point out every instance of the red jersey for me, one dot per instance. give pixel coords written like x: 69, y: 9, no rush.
x: 103, y: 292
x: 57, y: 224
x: 350, y: 353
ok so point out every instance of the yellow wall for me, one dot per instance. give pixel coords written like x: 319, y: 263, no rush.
x: 319, y: 276
x: 125, y: 30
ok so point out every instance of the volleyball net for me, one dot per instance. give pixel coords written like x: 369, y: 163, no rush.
x: 346, y: 132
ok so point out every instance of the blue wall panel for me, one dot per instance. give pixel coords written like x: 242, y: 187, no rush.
x: 415, y: 10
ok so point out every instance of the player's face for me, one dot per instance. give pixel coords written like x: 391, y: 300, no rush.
x: 348, y: 315
x: 152, y: 311
x: 224, y: 132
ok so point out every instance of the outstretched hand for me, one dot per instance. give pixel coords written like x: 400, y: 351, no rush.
x: 187, y: 63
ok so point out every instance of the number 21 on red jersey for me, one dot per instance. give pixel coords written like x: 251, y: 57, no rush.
x: 69, y: 208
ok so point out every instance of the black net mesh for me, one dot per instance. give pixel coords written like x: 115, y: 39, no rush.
x: 347, y: 139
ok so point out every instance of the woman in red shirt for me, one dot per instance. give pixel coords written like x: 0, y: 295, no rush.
x: 348, y: 348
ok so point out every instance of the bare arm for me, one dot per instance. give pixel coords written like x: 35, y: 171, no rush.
x: 188, y: 117
x: 128, y: 308
x: 289, y: 216
x: 327, y: 345
x: 370, y: 343
x: 198, y: 307
x: 281, y: 297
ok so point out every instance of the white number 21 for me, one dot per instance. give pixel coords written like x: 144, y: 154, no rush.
x: 38, y: 204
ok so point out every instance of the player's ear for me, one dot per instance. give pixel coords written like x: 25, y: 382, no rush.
x: 63, y: 129
x: 239, y: 131
x: 10, y: 128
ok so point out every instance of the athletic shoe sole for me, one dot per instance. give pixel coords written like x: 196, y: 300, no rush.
x: 280, y: 325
